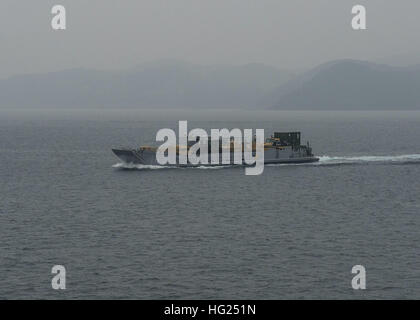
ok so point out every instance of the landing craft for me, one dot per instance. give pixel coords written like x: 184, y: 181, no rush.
x: 281, y: 147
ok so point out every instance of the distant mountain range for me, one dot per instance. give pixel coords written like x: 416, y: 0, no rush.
x: 350, y: 85
x: 337, y: 85
x: 159, y: 84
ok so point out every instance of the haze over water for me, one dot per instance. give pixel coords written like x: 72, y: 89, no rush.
x: 293, y: 232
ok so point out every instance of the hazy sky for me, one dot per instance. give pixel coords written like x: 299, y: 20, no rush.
x: 292, y: 34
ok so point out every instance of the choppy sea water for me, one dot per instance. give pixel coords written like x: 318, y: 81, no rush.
x: 198, y: 233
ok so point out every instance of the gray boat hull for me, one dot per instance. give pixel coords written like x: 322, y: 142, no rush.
x: 271, y: 156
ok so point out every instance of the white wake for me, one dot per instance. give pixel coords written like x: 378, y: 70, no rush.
x: 366, y: 159
x: 132, y: 166
x: 123, y: 165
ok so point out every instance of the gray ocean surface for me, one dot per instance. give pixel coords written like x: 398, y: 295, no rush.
x: 200, y: 233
